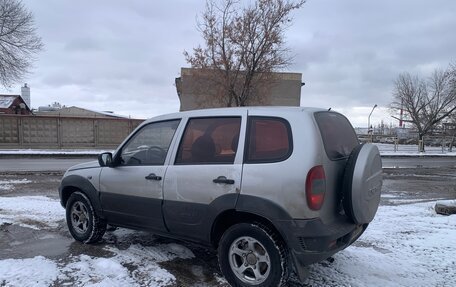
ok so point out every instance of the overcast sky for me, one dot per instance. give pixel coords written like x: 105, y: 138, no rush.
x: 123, y: 56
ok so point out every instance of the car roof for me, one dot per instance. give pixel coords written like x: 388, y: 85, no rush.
x: 278, y: 110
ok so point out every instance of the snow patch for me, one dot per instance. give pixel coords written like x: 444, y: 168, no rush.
x: 412, y: 150
x: 405, y: 245
x: 88, y: 271
x: 142, y: 261
x: 447, y: 202
x: 31, y: 211
x: 8, y: 184
x: 33, y: 272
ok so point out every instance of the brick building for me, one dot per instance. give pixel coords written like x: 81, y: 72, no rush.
x: 197, y: 90
x: 14, y: 104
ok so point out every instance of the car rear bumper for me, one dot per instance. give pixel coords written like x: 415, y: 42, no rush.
x: 311, y: 241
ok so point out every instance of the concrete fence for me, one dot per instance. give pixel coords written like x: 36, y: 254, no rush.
x: 51, y: 132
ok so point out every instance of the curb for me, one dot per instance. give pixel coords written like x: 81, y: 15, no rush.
x: 417, y: 155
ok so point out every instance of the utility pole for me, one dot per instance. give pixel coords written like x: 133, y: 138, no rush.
x: 369, y: 132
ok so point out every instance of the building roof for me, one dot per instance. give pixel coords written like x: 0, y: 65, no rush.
x: 7, y: 100
x: 80, y: 112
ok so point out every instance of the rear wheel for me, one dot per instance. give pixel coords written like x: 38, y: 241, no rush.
x: 83, y: 223
x: 252, y: 255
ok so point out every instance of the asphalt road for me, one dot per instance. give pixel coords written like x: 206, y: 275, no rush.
x: 61, y: 164
x: 40, y: 164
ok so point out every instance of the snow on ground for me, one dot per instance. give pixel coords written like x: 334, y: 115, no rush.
x: 447, y: 202
x: 82, y: 270
x: 8, y: 184
x: 31, y: 211
x: 85, y: 270
x: 33, y: 272
x: 412, y: 150
x: 405, y: 245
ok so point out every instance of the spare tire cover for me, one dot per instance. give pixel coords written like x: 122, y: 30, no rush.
x: 362, y: 183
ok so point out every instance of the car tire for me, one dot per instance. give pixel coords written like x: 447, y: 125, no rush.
x: 362, y: 183
x: 252, y: 255
x: 83, y: 223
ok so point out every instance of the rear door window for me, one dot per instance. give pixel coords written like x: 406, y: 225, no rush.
x: 269, y: 140
x: 339, y: 137
x: 209, y: 141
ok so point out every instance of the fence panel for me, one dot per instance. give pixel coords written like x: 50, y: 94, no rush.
x: 39, y: 131
x: 9, y: 131
x: 77, y: 131
x: 112, y: 132
x: 18, y: 131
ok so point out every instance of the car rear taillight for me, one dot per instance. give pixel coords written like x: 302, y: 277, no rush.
x: 316, y: 187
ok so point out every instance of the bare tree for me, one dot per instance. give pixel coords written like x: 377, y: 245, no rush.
x: 18, y: 41
x: 426, y: 102
x: 243, y: 46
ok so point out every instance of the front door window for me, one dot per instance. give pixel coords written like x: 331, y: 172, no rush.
x: 150, y: 145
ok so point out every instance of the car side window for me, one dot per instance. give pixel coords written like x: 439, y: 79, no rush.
x: 149, y: 146
x: 269, y: 140
x: 209, y: 141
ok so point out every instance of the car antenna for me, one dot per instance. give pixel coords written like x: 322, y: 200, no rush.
x: 329, y: 109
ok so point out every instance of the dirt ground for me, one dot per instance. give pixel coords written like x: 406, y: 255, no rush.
x: 400, y: 186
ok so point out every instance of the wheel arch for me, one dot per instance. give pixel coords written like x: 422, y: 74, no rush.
x: 73, y: 183
x: 230, y: 217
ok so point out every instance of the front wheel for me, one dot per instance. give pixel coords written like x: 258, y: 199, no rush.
x: 84, y: 224
x: 252, y: 255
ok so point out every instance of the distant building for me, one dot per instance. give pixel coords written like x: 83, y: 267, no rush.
x: 57, y: 110
x: 196, y: 90
x: 14, y: 104
x: 25, y: 94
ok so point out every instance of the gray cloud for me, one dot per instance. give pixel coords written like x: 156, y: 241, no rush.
x: 82, y: 45
x: 124, y: 55
x: 353, y: 50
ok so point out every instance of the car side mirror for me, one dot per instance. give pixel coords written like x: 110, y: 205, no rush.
x: 105, y: 159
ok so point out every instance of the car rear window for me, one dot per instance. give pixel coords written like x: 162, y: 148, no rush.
x: 339, y: 137
x: 269, y: 140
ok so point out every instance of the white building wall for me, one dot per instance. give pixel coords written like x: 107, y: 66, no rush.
x: 25, y: 94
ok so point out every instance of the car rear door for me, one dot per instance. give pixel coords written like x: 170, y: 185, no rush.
x: 205, y: 176
x: 132, y: 191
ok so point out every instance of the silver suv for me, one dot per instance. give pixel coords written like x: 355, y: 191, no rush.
x: 272, y: 189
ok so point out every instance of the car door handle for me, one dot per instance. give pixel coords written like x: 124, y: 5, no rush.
x: 223, y: 179
x: 152, y: 176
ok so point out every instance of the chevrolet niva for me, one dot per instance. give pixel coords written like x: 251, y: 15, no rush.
x: 272, y: 189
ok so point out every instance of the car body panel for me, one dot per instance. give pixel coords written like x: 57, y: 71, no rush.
x: 284, y: 182
x: 130, y: 199
x: 85, y: 165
